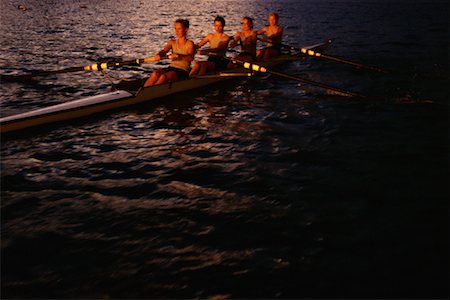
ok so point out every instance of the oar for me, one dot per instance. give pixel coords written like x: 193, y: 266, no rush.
x: 313, y: 53
x: 258, y: 68
x: 224, y: 74
x: 93, y: 67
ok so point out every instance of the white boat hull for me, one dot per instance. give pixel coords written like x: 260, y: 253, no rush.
x: 113, y: 100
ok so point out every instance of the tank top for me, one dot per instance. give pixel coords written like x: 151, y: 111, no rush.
x: 214, y: 42
x: 248, y: 44
x: 180, y: 64
x: 276, y: 40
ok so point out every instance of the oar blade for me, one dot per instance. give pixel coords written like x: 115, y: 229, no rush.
x: 17, y: 78
x: 32, y: 76
x: 310, y: 52
x: 258, y: 68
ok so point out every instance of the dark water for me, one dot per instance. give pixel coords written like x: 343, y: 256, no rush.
x: 257, y: 189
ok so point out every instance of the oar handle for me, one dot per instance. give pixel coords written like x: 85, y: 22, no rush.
x: 138, y: 61
x: 153, y: 59
x: 210, y: 52
x: 266, y: 40
x: 93, y: 67
x: 223, y: 74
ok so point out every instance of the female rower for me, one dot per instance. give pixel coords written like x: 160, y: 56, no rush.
x: 274, y: 35
x: 248, y: 38
x: 182, y: 56
x: 218, y: 42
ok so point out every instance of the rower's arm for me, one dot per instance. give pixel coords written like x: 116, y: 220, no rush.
x: 200, y: 44
x: 222, y: 45
x: 261, y: 31
x: 236, y: 39
x: 164, y: 51
x: 203, y: 42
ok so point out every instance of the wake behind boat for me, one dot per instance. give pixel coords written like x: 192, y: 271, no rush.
x: 131, y: 93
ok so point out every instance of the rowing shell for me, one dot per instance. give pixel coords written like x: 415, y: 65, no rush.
x: 120, y: 98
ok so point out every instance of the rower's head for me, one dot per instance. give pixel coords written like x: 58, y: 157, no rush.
x: 181, y: 27
x: 219, y: 24
x: 247, y: 23
x: 273, y: 19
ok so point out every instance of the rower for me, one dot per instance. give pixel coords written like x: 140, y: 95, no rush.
x: 218, y: 43
x: 248, y: 39
x: 182, y: 56
x: 274, y: 35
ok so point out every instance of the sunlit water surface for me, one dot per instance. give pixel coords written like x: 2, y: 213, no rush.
x: 259, y: 188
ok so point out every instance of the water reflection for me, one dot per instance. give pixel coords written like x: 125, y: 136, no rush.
x: 263, y: 181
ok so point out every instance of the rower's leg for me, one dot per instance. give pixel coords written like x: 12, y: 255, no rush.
x: 260, y: 54
x: 206, y: 66
x: 270, y: 53
x: 267, y: 54
x: 195, y: 69
x: 153, y: 78
x: 162, y: 79
x: 231, y: 66
x: 168, y: 76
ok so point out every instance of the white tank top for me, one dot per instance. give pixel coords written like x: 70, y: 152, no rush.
x: 276, y: 40
x: 180, y: 64
x: 248, y: 43
x: 215, y: 42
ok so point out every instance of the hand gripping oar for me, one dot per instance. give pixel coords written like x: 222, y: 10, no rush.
x: 93, y: 67
x: 313, y: 53
x: 258, y: 68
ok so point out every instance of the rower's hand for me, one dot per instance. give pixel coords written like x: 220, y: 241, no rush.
x: 173, y: 56
x: 157, y: 57
x: 200, y: 52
